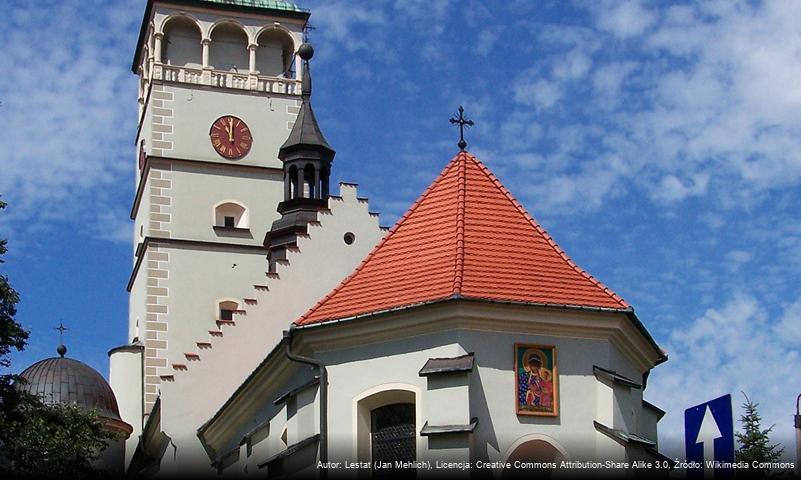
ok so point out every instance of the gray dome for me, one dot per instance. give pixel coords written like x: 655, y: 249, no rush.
x: 62, y: 380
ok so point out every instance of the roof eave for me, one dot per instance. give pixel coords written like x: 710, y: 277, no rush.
x: 628, y: 311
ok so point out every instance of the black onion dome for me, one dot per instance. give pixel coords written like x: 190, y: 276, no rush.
x: 64, y: 381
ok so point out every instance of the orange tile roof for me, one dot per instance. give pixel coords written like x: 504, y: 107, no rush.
x: 466, y: 237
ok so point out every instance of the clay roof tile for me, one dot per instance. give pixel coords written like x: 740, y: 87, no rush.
x: 466, y: 236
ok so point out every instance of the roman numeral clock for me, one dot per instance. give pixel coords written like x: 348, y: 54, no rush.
x: 230, y: 137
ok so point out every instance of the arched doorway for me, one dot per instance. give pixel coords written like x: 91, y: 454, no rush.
x: 533, y: 457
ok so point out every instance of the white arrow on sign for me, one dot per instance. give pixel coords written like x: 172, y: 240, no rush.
x: 707, y: 434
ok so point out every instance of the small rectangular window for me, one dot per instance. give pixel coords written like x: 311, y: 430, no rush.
x: 226, y: 314
x: 229, y: 222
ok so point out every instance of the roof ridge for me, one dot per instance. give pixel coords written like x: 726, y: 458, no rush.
x: 461, y: 191
x: 544, y: 233
x: 383, y: 241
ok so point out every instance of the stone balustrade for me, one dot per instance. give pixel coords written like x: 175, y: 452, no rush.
x: 223, y: 79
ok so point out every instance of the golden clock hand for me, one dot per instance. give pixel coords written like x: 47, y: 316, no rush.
x: 231, y: 130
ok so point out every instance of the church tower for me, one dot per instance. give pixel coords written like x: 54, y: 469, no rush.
x: 219, y: 93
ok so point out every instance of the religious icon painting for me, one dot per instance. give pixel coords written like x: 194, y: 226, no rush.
x: 537, y: 380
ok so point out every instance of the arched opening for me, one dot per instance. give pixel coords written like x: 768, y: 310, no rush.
x: 230, y: 215
x: 226, y: 309
x: 535, y: 455
x: 324, y: 177
x: 310, y: 177
x: 182, y: 43
x: 229, y: 48
x: 275, y: 53
x: 387, y: 426
x: 392, y: 434
x: 293, y: 182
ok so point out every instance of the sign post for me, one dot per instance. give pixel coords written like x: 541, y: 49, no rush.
x: 709, y: 439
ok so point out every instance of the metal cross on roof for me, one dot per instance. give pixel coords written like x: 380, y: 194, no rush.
x: 461, y: 121
x: 61, y: 329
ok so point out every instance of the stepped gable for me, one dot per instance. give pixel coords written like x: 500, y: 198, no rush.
x: 465, y: 237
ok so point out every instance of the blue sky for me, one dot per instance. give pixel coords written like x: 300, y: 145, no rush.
x: 658, y: 143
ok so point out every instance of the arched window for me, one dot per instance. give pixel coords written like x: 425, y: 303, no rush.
x: 386, y: 425
x: 392, y: 433
x: 229, y: 48
x: 274, y: 53
x: 231, y: 215
x: 226, y: 309
x: 182, y: 43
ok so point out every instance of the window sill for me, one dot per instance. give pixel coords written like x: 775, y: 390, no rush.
x: 218, y: 228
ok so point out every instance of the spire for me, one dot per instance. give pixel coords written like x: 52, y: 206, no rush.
x: 307, y: 161
x: 306, y: 133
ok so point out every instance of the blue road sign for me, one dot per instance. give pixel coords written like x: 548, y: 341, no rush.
x: 709, y: 437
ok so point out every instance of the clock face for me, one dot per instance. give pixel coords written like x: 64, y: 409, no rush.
x: 230, y: 137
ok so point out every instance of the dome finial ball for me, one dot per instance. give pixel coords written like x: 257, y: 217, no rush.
x: 306, y: 51
x: 62, y: 350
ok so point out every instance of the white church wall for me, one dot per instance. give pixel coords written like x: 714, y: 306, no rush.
x: 320, y: 262
x: 193, y: 110
x: 369, y: 367
x: 198, y: 189
x: 199, y: 277
x: 375, y: 361
x: 136, y: 311
x: 125, y: 379
x: 452, y: 390
x: 647, y: 423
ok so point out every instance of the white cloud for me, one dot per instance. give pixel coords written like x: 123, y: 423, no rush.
x: 539, y: 93
x: 336, y: 22
x: 671, y: 189
x: 68, y: 142
x: 789, y: 327
x: 729, y: 349
x: 486, y: 40
x: 735, y: 259
x: 572, y: 66
x: 625, y: 19
x: 705, y: 104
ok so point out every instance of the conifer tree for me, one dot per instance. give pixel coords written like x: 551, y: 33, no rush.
x: 754, y: 442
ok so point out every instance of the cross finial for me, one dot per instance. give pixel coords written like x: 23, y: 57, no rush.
x: 61, y: 329
x: 461, y: 121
